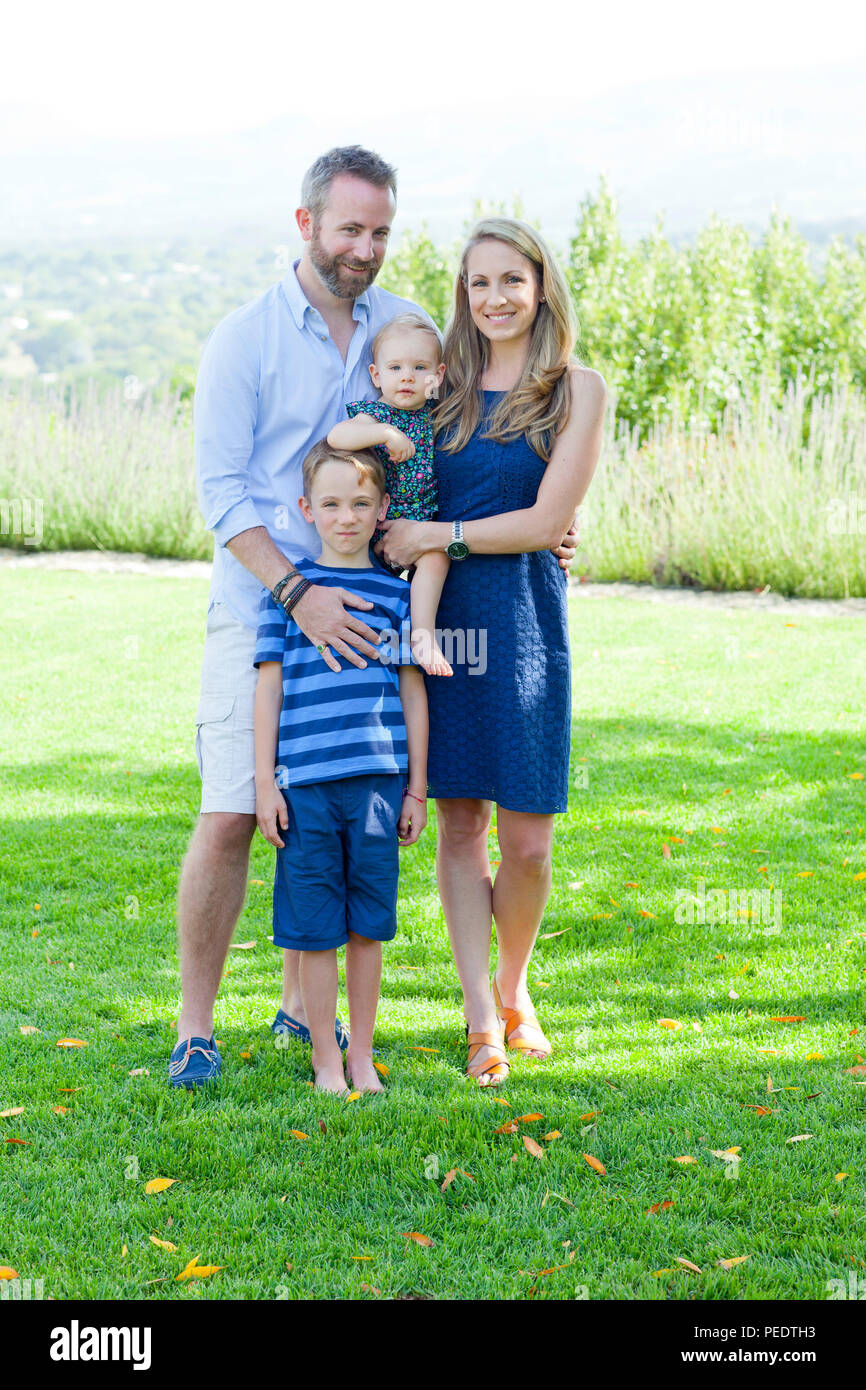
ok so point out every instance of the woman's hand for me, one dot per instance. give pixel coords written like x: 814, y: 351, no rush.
x: 569, y: 543
x: 413, y: 818
x: 271, y: 812
x: 401, y: 544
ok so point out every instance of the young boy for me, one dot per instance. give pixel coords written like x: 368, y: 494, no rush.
x: 341, y: 766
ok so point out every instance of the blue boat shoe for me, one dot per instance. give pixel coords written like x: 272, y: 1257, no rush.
x: 194, y: 1062
x: 284, y: 1023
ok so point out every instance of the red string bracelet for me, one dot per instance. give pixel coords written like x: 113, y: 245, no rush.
x: 413, y: 796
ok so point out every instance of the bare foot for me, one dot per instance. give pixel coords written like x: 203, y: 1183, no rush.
x: 427, y: 653
x: 362, y: 1073
x: 329, y: 1075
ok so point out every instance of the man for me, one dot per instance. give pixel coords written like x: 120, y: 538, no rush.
x: 274, y: 377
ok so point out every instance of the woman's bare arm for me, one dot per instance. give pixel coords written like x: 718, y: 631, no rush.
x: 563, y: 487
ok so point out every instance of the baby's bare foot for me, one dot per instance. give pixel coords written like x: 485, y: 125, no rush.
x: 428, y: 653
x: 362, y: 1073
x: 329, y: 1075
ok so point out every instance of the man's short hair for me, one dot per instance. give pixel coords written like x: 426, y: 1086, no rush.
x: 343, y: 159
x: 366, y: 461
x: 406, y: 322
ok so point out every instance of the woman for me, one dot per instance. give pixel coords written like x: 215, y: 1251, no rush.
x: 518, y: 435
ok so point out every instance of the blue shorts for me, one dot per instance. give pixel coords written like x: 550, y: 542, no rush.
x: 339, y: 869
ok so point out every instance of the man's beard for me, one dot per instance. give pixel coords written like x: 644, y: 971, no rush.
x: 328, y: 270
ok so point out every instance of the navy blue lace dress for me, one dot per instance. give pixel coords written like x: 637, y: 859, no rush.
x: 500, y: 727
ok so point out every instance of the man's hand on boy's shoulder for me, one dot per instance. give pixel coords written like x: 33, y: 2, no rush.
x: 413, y: 818
x: 321, y: 614
x: 271, y: 812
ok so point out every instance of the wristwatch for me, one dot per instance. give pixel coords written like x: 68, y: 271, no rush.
x: 458, y: 549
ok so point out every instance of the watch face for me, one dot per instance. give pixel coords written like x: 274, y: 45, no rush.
x: 458, y: 550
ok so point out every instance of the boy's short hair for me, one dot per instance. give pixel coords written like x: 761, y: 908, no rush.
x: 407, y: 321
x: 366, y: 461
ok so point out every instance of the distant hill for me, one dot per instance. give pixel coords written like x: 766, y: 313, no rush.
x: 682, y: 147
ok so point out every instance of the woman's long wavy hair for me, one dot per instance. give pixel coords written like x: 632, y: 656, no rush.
x: 538, y: 406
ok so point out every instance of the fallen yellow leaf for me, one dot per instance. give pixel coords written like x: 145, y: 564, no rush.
x: 669, y: 1023
x: 158, y: 1184
x: 163, y: 1244
x: 734, y: 1260
x: 7, y: 1272
x: 687, y: 1264
x: 299, y: 1134
x: 531, y: 1147
x: 31, y: 1028
x: 596, y: 1164
x: 418, y: 1238
x: 381, y: 1069
x: 72, y: 1042
x: 7, y: 1114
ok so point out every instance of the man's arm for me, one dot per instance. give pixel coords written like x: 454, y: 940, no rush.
x: 224, y: 414
x: 271, y: 810
x: 413, y: 698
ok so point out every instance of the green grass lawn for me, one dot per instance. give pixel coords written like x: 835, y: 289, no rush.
x: 733, y: 737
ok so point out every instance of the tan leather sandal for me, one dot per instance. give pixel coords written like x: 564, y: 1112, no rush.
x: 495, y: 1066
x: 512, y: 1019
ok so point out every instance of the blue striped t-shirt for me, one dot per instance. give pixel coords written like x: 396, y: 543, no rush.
x: 348, y: 722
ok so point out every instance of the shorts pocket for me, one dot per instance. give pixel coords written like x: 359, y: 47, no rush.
x: 213, y: 727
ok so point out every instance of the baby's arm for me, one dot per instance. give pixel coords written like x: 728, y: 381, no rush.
x: 364, y: 431
x: 270, y: 804
x: 413, y: 697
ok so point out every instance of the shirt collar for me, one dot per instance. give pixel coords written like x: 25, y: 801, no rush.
x: 300, y: 305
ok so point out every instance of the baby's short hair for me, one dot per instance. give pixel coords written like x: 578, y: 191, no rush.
x: 366, y: 461
x: 407, y: 321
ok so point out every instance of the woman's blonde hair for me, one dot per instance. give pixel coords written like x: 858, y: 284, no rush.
x: 539, y: 404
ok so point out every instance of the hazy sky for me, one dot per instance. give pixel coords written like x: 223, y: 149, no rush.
x: 190, y: 67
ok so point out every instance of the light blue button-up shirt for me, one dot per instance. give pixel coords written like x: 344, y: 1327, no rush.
x: 271, y: 383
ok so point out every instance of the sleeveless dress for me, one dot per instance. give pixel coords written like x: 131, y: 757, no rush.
x: 502, y: 733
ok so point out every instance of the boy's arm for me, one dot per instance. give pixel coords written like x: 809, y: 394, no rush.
x: 270, y: 804
x: 413, y: 698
